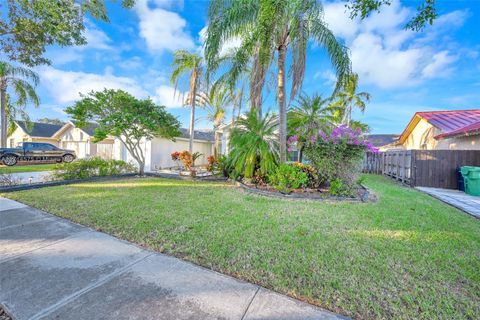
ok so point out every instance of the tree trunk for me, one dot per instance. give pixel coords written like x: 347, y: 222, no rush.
x: 193, y: 95
x: 3, y: 117
x: 348, y: 114
x: 282, y: 112
x: 300, y: 154
x: 215, y: 143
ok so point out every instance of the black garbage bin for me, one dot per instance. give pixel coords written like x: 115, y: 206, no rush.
x: 460, y: 181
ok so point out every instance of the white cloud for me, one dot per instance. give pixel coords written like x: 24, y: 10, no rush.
x: 65, y: 86
x: 162, y: 30
x: 165, y: 97
x: 97, y: 39
x: 227, y: 46
x: 385, y: 54
x: 328, y: 76
x: 439, y: 65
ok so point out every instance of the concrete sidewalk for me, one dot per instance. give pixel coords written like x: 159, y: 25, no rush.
x: 456, y: 198
x: 51, y: 268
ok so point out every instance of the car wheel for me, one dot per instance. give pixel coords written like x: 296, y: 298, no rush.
x: 9, y: 160
x: 68, y: 158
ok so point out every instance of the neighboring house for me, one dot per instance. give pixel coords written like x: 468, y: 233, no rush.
x: 383, y: 141
x: 442, y: 130
x: 34, y: 132
x: 81, y: 141
x: 158, y: 150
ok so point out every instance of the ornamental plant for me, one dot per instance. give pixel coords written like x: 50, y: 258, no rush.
x: 288, y: 177
x: 212, y: 163
x: 186, y: 158
x: 335, y: 153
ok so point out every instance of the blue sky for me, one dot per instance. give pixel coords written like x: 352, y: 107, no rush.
x: 404, y: 71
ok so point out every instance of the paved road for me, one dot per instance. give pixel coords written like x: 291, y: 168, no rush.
x: 51, y: 268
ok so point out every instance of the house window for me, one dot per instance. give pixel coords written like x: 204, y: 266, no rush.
x: 81, y: 136
x: 12, y: 143
x: 293, y: 156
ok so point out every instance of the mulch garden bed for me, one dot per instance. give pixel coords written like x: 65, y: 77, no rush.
x: 362, y: 193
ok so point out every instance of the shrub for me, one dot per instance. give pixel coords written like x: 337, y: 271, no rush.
x: 93, y: 167
x: 311, y: 173
x: 212, y: 164
x: 335, y: 153
x: 288, y: 177
x: 186, y: 158
x: 338, y: 188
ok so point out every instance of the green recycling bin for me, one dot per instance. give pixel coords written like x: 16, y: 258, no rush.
x: 471, y: 176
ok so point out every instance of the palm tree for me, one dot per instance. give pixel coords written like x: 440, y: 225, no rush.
x: 349, y: 98
x: 185, y: 62
x: 18, y: 79
x: 269, y: 27
x: 254, y: 145
x: 311, y: 112
x: 215, y: 101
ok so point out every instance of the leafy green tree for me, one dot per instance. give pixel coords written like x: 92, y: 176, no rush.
x: 22, y: 92
x: 348, y: 97
x: 27, y: 27
x: 123, y: 116
x: 215, y: 101
x: 273, y: 27
x: 254, y: 145
x: 185, y: 62
x: 426, y: 12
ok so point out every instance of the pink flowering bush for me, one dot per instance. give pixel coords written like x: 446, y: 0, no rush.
x: 335, y: 152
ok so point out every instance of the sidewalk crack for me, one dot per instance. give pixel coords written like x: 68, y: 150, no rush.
x: 250, y: 303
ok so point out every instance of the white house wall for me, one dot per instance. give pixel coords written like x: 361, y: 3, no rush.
x: 163, y: 148
x: 120, y: 152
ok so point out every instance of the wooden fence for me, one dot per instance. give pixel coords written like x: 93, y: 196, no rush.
x: 426, y: 168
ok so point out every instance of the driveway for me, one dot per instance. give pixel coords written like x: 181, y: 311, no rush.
x: 31, y: 177
x: 51, y: 268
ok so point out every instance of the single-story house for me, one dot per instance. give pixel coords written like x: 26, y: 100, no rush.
x: 383, y: 141
x: 80, y: 140
x: 158, y: 150
x: 33, y: 132
x: 442, y: 130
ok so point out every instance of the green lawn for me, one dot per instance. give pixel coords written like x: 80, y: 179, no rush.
x: 407, y: 256
x: 27, y: 168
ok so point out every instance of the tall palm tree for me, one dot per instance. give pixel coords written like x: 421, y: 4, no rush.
x: 215, y: 102
x: 22, y: 91
x: 348, y: 97
x: 312, y: 112
x: 268, y: 28
x: 185, y: 62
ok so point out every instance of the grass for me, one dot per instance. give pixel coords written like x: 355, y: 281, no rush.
x: 406, y: 256
x: 27, y: 168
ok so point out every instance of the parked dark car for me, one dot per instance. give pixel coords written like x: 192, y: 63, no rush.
x: 35, y: 151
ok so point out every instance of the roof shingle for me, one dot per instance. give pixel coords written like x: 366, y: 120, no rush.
x: 206, y: 135
x: 38, y: 129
